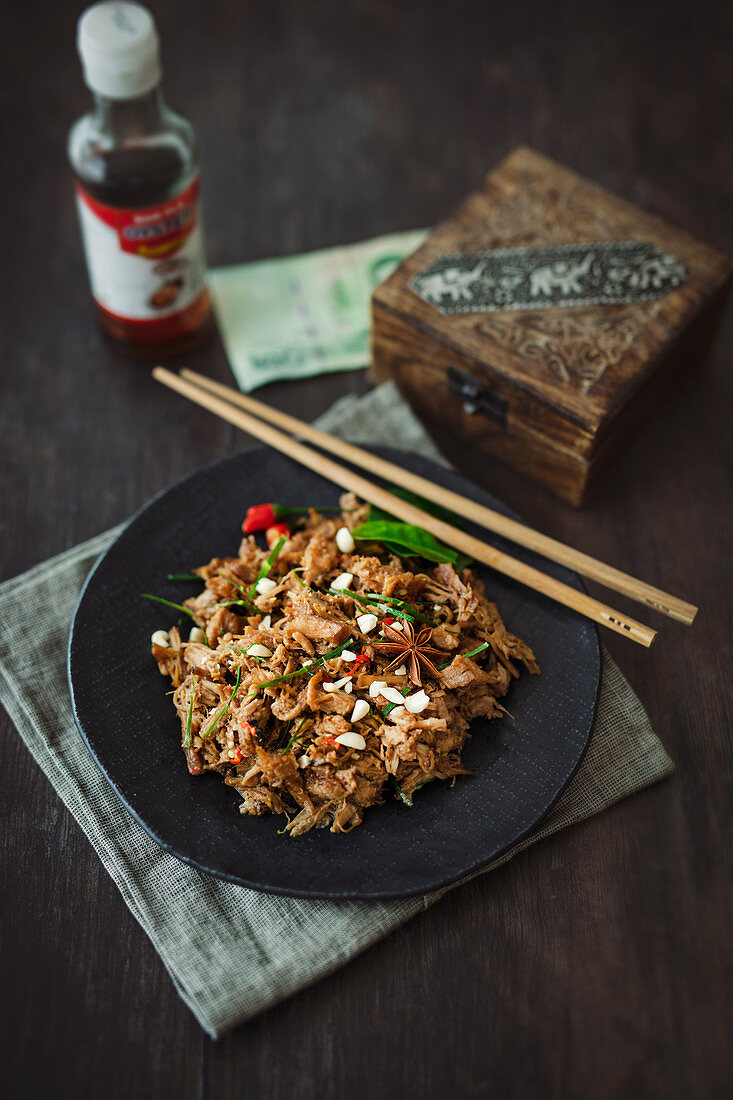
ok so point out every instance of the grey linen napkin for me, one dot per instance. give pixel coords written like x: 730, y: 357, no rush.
x: 233, y: 952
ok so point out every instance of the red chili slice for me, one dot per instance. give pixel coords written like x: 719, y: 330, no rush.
x: 259, y: 517
x: 272, y: 534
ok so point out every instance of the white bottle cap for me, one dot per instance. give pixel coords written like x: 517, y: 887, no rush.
x: 119, y: 51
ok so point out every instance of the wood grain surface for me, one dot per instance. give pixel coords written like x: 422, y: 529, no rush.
x: 597, y: 964
x: 563, y: 388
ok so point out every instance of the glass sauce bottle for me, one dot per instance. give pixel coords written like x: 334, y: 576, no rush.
x: 137, y: 190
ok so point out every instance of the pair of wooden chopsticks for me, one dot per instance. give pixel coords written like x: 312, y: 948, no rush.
x: 228, y: 404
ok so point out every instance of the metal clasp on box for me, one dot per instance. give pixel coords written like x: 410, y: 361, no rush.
x: 476, y: 398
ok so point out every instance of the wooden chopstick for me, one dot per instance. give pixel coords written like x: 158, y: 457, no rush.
x: 367, y: 490
x: 517, y: 532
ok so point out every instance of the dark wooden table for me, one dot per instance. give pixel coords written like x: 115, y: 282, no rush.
x: 598, y: 963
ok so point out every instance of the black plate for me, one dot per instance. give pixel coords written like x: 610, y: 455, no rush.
x: 126, y: 717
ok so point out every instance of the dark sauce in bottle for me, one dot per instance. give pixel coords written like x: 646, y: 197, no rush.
x: 134, y: 160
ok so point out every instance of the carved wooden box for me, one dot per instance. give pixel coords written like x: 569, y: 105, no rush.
x: 539, y: 322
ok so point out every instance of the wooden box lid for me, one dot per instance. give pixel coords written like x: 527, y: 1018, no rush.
x: 565, y: 372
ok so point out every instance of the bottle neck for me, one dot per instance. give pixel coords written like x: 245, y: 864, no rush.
x: 130, y: 117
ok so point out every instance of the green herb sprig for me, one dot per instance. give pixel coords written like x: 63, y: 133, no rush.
x: 404, y: 606
x: 303, y: 669
x: 407, y: 539
x: 379, y: 601
x: 420, y: 502
x: 237, y: 603
x: 471, y: 653
x: 177, y: 606
x: 184, y: 577
x: 267, y: 565
x: 407, y: 801
x: 295, y: 735
x: 222, y: 711
x: 244, y: 602
x: 301, y: 582
x: 404, y: 539
x: 187, y: 738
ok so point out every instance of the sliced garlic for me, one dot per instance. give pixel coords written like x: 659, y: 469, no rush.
x: 397, y: 625
x: 361, y: 709
x: 343, y: 581
x: 376, y: 687
x: 328, y: 686
x: 348, y: 656
x: 401, y: 671
x: 393, y: 695
x: 161, y: 638
x: 266, y: 622
x: 349, y: 687
x: 265, y: 586
x: 197, y: 635
x: 396, y: 712
x: 417, y: 702
x: 303, y: 761
x: 258, y: 650
x: 366, y: 623
x: 345, y: 540
x: 352, y: 740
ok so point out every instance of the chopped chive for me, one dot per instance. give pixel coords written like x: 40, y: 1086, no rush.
x: 293, y: 738
x: 267, y: 565
x: 245, y: 652
x: 411, y: 607
x: 387, y: 599
x: 178, y: 606
x: 184, y: 577
x: 187, y: 738
x: 237, y: 584
x: 305, y: 668
x: 367, y: 600
x: 471, y: 653
x: 222, y: 711
x: 407, y: 801
x: 383, y: 603
x: 236, y: 603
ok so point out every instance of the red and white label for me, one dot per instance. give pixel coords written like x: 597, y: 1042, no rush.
x: 147, y: 262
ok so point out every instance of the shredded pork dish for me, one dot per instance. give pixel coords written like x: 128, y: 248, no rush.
x: 339, y: 665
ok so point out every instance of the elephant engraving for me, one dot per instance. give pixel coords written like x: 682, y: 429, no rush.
x: 452, y: 283
x: 563, y: 275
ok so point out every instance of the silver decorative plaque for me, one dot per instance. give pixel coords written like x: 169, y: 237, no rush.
x: 604, y: 272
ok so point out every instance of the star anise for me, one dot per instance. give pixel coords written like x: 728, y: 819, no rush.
x: 404, y: 646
